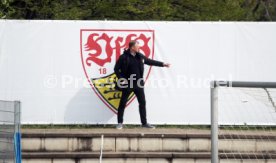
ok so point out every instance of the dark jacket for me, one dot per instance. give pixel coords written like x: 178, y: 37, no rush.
x: 121, y: 66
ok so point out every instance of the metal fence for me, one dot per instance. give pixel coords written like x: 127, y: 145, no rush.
x: 10, y: 143
x: 215, y: 85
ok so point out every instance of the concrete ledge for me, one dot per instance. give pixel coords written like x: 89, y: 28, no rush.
x: 144, y: 135
x: 150, y: 144
x: 142, y: 160
x: 112, y: 144
x: 199, y: 145
x: 169, y: 155
x: 124, y: 135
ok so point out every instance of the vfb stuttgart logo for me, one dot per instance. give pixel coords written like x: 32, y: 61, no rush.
x: 100, y: 50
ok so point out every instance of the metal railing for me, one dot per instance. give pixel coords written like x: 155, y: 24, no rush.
x: 214, y: 108
x: 10, y: 143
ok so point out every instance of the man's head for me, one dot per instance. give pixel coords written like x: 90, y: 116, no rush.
x: 133, y: 46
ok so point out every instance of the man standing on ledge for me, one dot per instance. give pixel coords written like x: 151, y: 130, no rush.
x: 129, y: 70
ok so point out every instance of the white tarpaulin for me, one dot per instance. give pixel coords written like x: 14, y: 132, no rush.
x: 50, y: 67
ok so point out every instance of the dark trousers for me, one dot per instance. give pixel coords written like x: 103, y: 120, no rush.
x: 140, y: 94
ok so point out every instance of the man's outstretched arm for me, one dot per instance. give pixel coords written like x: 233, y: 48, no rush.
x: 152, y: 62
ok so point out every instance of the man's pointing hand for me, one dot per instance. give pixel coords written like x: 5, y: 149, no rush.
x: 166, y: 65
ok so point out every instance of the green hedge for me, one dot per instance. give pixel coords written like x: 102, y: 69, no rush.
x: 167, y: 10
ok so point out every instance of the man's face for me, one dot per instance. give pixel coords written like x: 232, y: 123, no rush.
x: 136, y: 47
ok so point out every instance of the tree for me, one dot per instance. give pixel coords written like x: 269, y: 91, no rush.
x: 168, y: 10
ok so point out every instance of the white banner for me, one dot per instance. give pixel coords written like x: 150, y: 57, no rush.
x: 52, y: 67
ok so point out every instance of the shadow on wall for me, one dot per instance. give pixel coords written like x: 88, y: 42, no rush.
x: 86, y: 108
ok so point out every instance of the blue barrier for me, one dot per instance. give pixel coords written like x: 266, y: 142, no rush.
x: 17, y: 147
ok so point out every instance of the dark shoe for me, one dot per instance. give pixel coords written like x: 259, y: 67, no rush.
x: 119, y: 126
x: 148, y: 126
